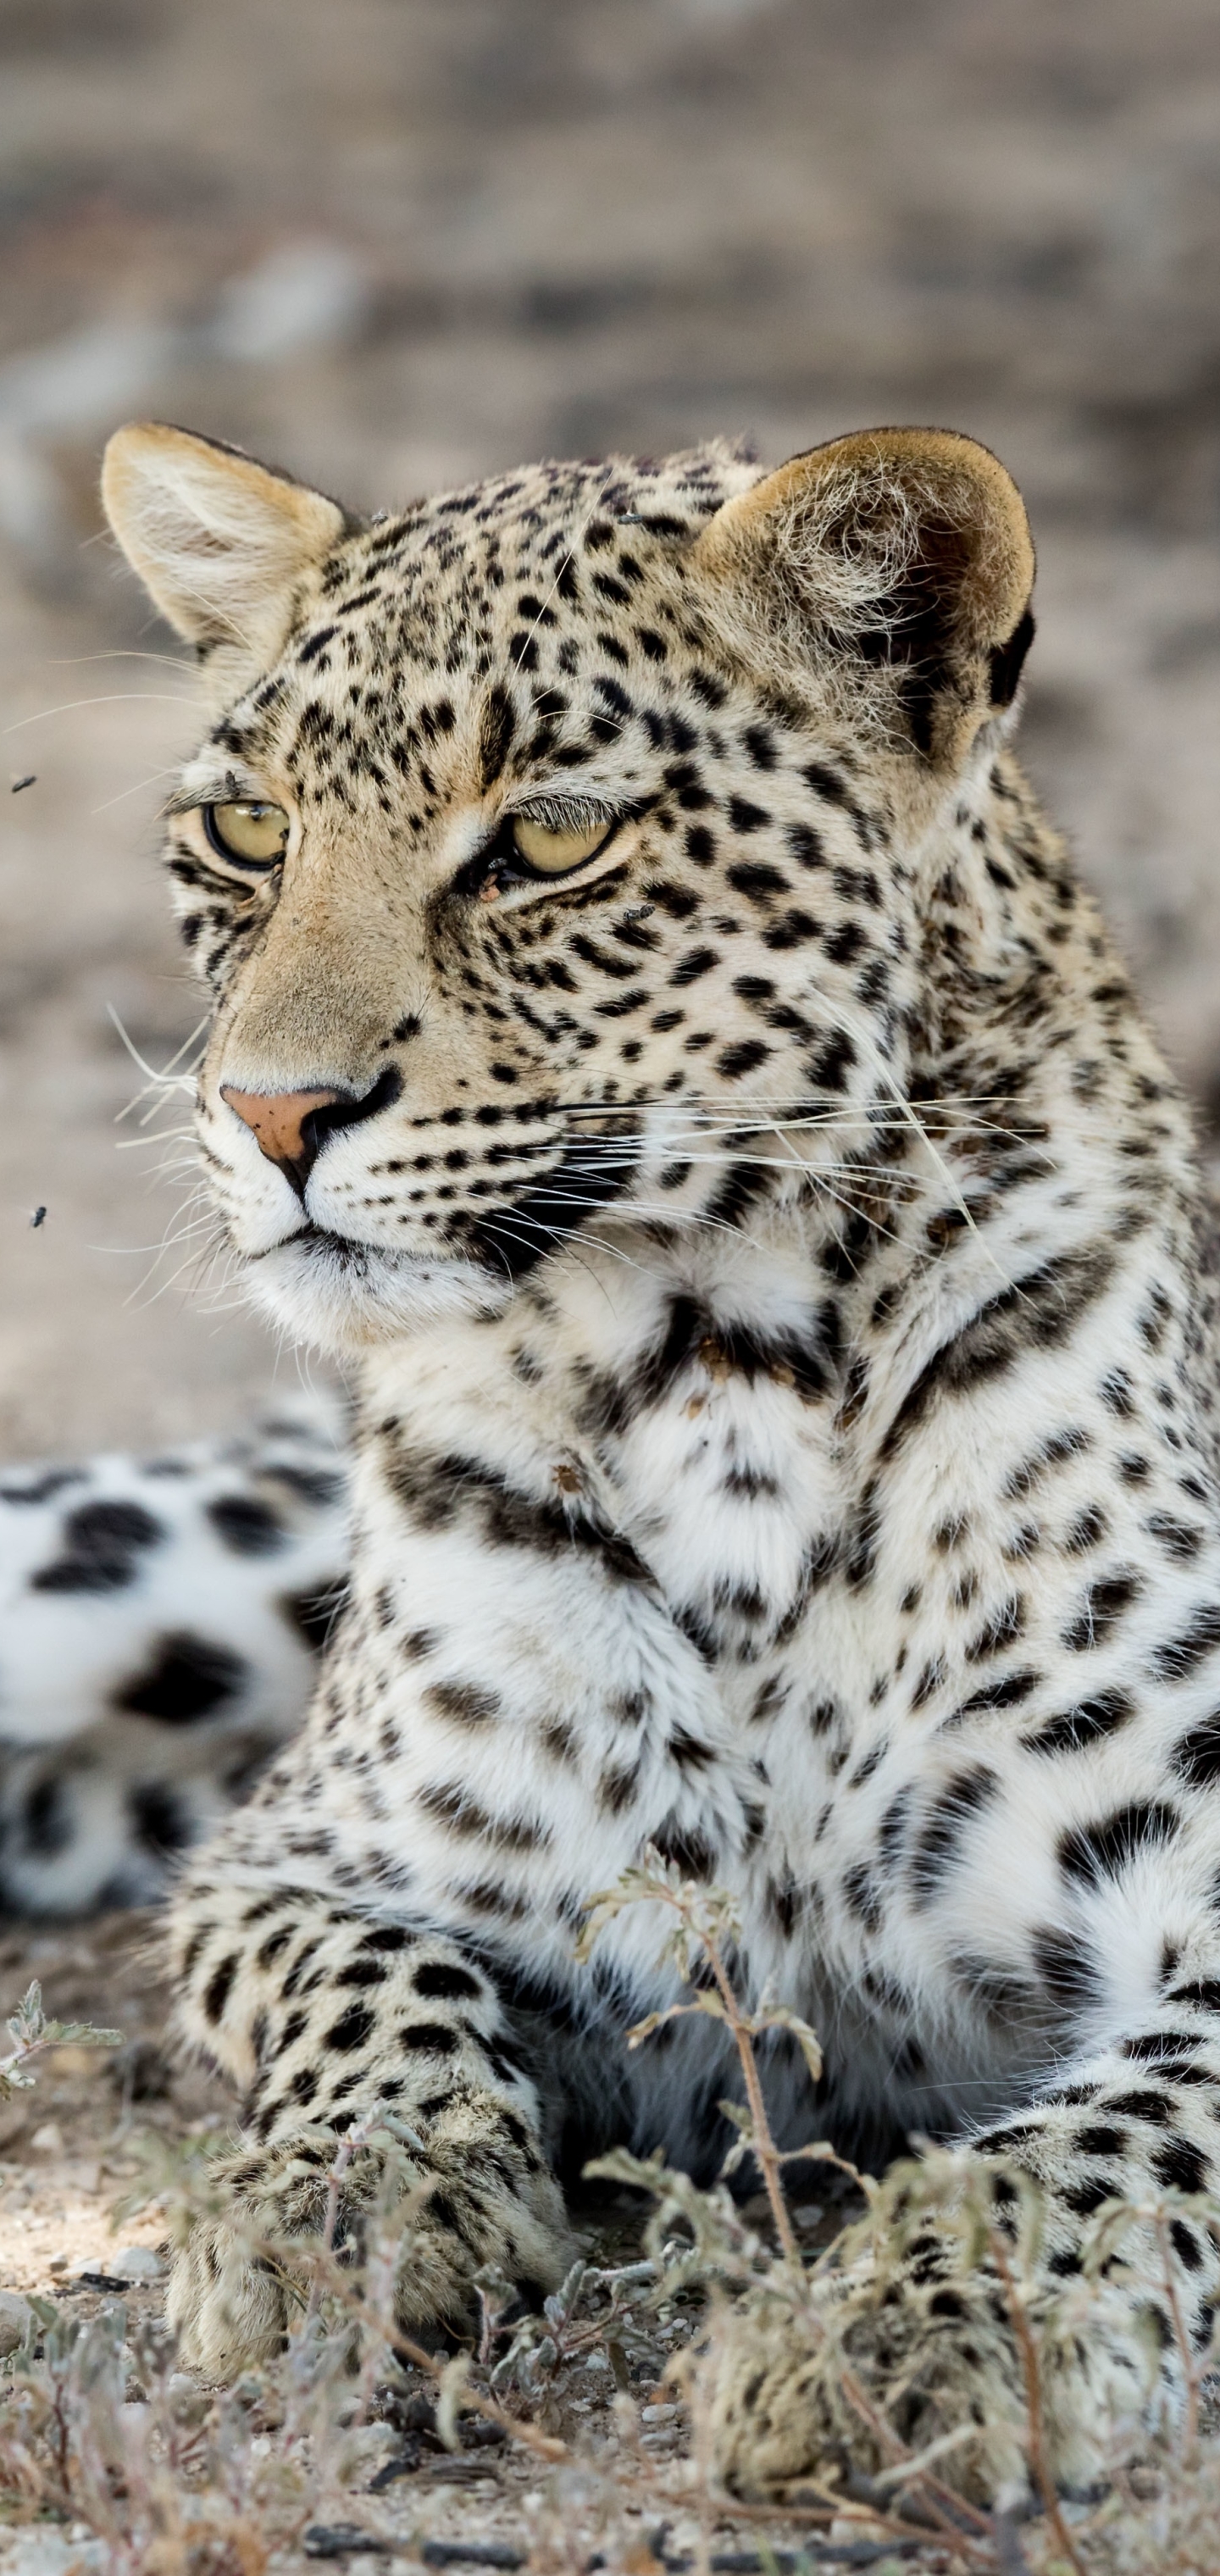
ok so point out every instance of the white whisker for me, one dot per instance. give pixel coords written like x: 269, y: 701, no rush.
x: 119, y: 697
x: 122, y: 653
x: 167, y: 1080
x: 170, y: 770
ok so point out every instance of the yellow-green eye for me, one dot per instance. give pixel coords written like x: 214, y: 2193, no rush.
x: 553, y: 853
x: 252, y: 835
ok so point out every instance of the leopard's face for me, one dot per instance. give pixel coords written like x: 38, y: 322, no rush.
x: 556, y: 895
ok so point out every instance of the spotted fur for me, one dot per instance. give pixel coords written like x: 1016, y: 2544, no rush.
x: 161, y: 1620
x: 774, y: 1263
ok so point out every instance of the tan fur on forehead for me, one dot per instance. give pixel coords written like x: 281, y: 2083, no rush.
x: 234, y: 554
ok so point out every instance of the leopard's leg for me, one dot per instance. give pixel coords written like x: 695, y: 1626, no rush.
x: 320, y: 2015
x: 1132, y: 2113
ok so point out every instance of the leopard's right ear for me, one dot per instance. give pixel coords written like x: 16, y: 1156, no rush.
x: 218, y: 540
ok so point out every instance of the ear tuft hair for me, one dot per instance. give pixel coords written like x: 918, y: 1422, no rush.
x: 217, y: 540
x: 895, y: 564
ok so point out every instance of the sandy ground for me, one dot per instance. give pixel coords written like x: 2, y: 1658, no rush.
x: 66, y: 2144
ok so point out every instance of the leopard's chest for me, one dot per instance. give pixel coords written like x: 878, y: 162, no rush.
x: 602, y: 1604
x: 733, y: 1485
x: 702, y: 1407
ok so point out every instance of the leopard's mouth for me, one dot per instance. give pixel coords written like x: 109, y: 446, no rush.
x: 345, y: 1248
x: 317, y: 1243
x: 343, y: 1295
x: 509, y: 1236
x: 342, y: 1292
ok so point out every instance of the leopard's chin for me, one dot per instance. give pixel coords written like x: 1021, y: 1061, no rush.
x: 340, y: 1295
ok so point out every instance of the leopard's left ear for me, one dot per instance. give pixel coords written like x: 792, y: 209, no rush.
x: 897, y: 566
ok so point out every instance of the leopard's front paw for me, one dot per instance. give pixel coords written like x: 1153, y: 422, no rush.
x: 478, y: 2200
x: 802, y: 2387
x: 841, y: 2377
x: 245, y: 2265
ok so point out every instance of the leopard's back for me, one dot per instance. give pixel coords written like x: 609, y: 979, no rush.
x: 161, y: 1621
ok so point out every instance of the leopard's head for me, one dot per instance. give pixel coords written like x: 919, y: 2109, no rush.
x: 555, y: 841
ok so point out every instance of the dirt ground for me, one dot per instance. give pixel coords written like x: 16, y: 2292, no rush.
x: 65, y: 2145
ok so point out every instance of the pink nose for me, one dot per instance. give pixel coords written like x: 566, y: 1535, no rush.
x: 283, y: 1125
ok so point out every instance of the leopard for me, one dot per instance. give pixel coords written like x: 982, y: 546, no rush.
x: 660, y: 1048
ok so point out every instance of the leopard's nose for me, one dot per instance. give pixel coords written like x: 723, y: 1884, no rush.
x: 291, y: 1127
x: 285, y: 1125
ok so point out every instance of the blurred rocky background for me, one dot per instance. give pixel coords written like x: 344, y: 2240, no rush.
x: 396, y: 243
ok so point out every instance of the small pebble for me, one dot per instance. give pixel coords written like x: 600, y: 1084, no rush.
x: 367, y: 2447
x: 188, y: 2403
x: 40, y: 2552
x: 138, y: 2263
x: 15, y: 2314
x: 49, y: 2139
x: 379, y: 2438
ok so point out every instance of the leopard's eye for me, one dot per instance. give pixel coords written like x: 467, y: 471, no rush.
x: 251, y: 834
x: 552, y: 854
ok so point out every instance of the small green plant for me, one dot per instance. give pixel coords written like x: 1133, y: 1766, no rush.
x: 32, y: 2034
x: 705, y: 1926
